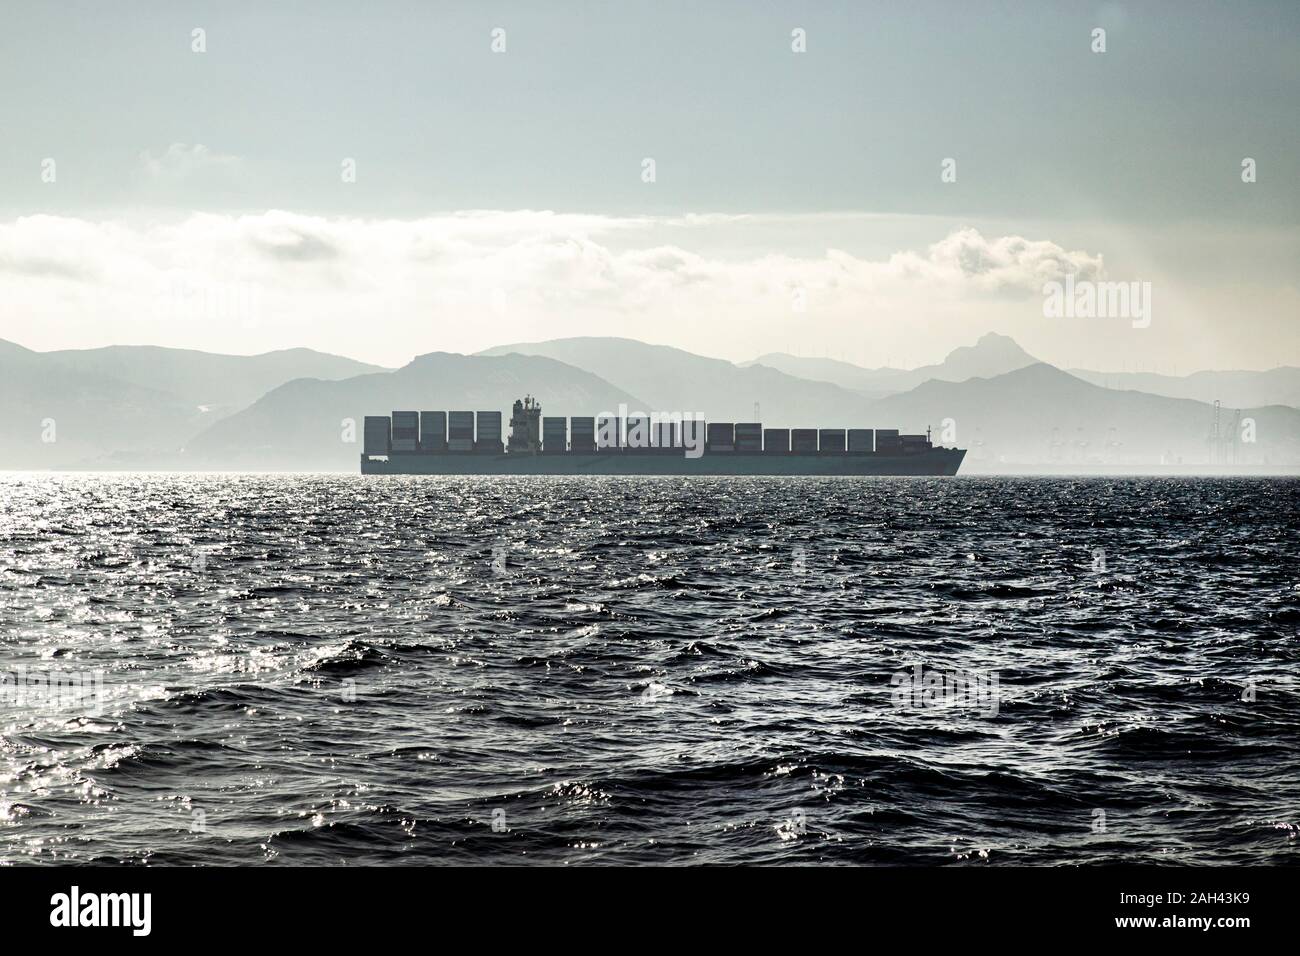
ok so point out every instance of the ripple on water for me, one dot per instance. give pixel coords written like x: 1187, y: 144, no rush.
x: 308, y: 669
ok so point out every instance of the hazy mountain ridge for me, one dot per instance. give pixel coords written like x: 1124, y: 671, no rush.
x: 872, y: 382
x: 57, y: 418
x: 222, y: 383
x: 122, y: 405
x: 671, y: 379
x: 1234, y: 389
x: 301, y: 424
x: 1029, y: 417
x: 992, y: 355
x: 1021, y: 413
x: 1040, y: 415
x: 996, y: 354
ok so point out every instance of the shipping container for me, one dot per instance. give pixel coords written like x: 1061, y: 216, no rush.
x: 692, y: 435
x: 433, y: 431
x: 377, y: 435
x: 720, y: 437
x: 831, y: 441
x: 460, y: 425
x: 460, y: 431
x: 776, y: 441
x: 488, y: 439
x: 665, y: 434
x: 749, y: 437
x: 406, y: 425
x: 609, y: 432
x: 861, y: 441
x: 582, y: 435
x: 803, y: 441
x: 406, y: 431
x: 638, y: 432
x: 555, y: 436
x: 888, y: 442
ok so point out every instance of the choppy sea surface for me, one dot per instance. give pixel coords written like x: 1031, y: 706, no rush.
x: 248, y: 669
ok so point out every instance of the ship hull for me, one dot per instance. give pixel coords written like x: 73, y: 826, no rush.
x: 936, y: 461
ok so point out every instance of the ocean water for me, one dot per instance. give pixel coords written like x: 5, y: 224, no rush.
x: 235, y: 669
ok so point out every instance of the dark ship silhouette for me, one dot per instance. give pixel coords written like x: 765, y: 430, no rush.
x: 470, y: 443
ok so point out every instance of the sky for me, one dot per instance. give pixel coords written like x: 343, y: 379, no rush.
x: 385, y: 179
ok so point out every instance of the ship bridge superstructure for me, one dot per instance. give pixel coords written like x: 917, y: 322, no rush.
x: 526, y: 426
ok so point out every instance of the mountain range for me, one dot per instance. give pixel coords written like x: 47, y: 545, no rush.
x: 992, y: 355
x: 996, y: 354
x: 133, y: 406
x: 146, y: 407
x: 304, y: 424
x: 1039, y: 416
x: 673, y: 380
x: 1236, y: 389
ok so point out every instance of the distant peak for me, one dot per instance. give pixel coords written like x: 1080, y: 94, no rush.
x: 995, y: 341
x: 991, y: 346
x: 996, y: 338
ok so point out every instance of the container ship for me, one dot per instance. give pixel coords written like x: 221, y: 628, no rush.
x: 470, y: 443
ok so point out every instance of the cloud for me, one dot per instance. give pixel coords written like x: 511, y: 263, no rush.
x: 467, y: 280
x: 180, y: 161
x: 54, y: 247
x: 291, y: 239
x: 1003, y: 264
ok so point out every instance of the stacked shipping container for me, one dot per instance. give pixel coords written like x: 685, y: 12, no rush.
x: 749, y: 438
x: 776, y: 441
x: 460, y: 431
x: 720, y: 436
x: 913, y: 444
x: 582, y: 435
x: 489, y: 434
x: 638, y: 432
x: 861, y: 441
x: 405, y: 432
x: 377, y: 435
x: 831, y: 441
x: 554, y: 436
x: 609, y: 433
x: 433, y: 431
x: 803, y: 441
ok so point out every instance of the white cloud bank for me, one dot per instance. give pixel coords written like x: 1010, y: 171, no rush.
x: 385, y: 290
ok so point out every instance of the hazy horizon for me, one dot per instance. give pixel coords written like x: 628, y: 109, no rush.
x: 815, y: 357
